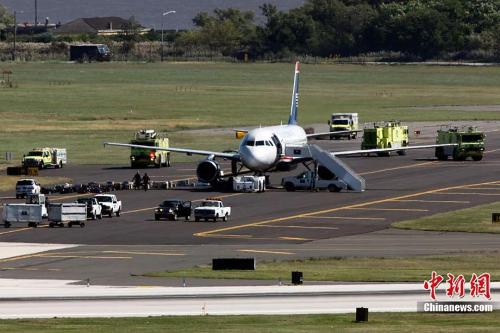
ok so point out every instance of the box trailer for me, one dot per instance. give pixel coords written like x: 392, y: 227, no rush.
x: 67, y: 213
x: 22, y: 213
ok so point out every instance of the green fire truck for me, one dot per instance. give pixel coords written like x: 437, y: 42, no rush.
x: 390, y: 134
x: 470, y: 143
x: 143, y: 157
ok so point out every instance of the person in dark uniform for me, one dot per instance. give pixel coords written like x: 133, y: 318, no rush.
x: 137, y: 180
x: 145, y: 181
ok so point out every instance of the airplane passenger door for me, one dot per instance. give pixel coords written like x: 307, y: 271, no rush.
x: 279, y: 148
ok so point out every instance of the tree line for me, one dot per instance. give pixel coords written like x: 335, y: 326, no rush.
x: 400, y: 29
x: 420, y: 29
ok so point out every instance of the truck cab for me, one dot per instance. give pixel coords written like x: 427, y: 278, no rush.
x: 341, y: 122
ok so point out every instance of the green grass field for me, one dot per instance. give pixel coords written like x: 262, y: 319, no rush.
x: 79, y: 106
x: 378, y: 322
x: 414, y: 269
x: 475, y: 219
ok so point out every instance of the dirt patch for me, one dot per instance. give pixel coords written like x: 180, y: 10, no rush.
x: 466, y: 108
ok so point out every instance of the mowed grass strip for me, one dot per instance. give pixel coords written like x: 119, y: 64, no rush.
x: 363, y: 269
x: 475, y: 219
x: 87, y: 147
x: 79, y: 106
x: 8, y: 183
x: 378, y: 322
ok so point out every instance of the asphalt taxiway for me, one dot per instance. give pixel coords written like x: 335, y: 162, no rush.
x: 271, y: 225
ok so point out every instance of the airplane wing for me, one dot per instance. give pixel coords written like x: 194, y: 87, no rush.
x: 333, y: 133
x: 231, y: 156
x: 381, y: 150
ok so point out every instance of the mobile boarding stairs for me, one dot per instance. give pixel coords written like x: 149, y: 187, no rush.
x: 342, y: 171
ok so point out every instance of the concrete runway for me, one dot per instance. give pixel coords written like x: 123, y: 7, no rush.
x: 24, y: 299
x: 271, y: 225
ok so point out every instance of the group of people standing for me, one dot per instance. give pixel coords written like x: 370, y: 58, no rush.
x: 141, y: 181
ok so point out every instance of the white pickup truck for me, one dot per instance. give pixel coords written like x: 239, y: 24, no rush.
x: 305, y: 181
x: 212, y: 208
x: 94, y: 209
x: 110, y: 204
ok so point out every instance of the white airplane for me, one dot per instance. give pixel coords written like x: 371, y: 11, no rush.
x: 262, y: 149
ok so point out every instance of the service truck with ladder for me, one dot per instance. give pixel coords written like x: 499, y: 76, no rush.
x: 390, y: 134
x: 142, y: 157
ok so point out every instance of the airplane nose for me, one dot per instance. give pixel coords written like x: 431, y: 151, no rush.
x: 249, y: 158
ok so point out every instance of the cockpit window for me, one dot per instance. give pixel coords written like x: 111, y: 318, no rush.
x: 250, y: 143
x: 259, y: 143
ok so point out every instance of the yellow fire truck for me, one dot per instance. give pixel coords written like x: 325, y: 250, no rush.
x: 390, y: 134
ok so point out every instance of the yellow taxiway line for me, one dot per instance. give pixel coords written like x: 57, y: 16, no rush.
x: 29, y: 269
x: 265, y: 251
x: 78, y: 257
x: 399, y: 168
x: 22, y: 229
x: 482, y: 188
x: 348, y: 218
x: 469, y: 193
x: 146, y: 253
x: 216, y: 232
x: 390, y: 209
x: 296, y: 227
x: 197, y: 200
x: 17, y: 230
x: 295, y: 238
x: 433, y: 201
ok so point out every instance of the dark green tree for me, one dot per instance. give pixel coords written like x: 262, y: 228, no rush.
x: 6, y: 20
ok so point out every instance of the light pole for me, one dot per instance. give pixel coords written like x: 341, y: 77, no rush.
x: 15, y: 35
x: 164, y: 14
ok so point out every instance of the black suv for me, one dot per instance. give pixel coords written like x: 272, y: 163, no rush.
x: 173, y: 209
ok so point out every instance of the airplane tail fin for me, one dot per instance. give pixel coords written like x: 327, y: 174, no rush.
x: 292, y: 120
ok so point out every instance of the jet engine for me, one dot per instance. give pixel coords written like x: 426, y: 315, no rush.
x: 208, y: 171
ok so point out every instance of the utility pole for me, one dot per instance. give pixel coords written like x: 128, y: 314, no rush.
x: 15, y: 36
x: 164, y: 14
x: 36, y: 13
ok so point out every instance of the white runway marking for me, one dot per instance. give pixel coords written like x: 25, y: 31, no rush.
x: 12, y: 250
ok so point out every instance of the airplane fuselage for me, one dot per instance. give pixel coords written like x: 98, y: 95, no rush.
x: 262, y: 148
